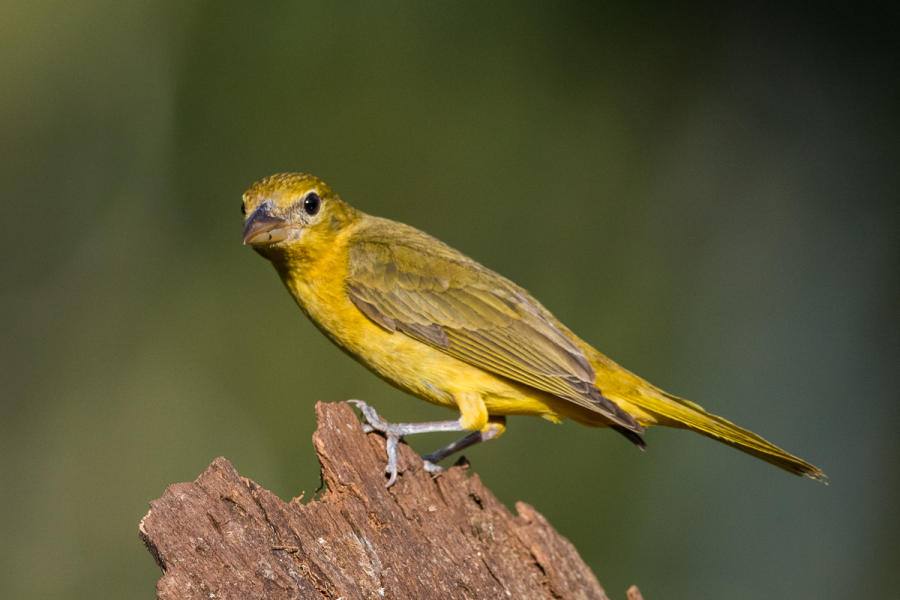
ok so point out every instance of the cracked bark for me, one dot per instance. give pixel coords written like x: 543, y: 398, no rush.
x: 224, y: 536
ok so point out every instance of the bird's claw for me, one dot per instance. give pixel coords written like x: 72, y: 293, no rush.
x: 395, y: 431
x: 432, y: 468
x: 374, y: 422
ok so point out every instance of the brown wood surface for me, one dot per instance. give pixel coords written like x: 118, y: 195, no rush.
x: 225, y: 537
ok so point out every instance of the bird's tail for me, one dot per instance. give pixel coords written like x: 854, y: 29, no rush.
x: 678, y: 412
x: 650, y: 405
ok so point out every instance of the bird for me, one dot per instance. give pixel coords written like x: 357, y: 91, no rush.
x: 440, y: 326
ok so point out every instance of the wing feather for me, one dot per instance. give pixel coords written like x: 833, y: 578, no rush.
x: 407, y: 281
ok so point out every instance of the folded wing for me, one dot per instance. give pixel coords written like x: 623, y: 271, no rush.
x: 411, y: 283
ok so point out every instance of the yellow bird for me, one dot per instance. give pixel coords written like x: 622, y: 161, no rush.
x: 440, y: 326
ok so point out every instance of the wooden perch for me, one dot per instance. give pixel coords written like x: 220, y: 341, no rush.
x: 225, y: 537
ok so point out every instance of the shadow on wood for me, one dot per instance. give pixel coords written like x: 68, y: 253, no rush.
x: 224, y: 536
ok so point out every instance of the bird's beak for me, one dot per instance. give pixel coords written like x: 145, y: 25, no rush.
x: 262, y: 228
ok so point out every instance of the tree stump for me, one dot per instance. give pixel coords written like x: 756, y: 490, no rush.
x: 225, y: 537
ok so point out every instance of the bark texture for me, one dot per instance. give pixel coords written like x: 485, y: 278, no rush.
x: 225, y: 537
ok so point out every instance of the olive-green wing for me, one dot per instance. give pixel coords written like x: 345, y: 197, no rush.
x: 411, y: 283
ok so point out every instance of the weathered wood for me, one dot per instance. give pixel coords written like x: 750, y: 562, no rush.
x: 225, y: 537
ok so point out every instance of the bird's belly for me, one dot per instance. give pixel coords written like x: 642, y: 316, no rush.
x: 413, y: 366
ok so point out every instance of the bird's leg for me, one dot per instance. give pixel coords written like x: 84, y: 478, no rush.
x: 394, y: 431
x: 492, y: 430
x: 473, y: 416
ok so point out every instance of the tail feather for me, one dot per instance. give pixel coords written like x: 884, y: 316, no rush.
x: 631, y: 436
x: 677, y: 412
x: 649, y: 405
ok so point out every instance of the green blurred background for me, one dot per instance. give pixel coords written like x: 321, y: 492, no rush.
x: 707, y: 195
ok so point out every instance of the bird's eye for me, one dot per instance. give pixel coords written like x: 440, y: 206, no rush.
x: 243, y: 209
x: 311, y: 203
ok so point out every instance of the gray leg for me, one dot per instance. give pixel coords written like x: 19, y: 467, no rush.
x: 394, y: 431
x: 476, y: 437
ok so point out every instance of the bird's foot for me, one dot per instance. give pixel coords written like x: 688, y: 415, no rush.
x: 431, y: 467
x: 374, y: 422
x: 394, y: 431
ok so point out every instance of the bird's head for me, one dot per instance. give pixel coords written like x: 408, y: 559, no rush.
x: 292, y: 212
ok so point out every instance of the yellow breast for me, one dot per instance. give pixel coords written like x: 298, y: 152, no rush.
x: 318, y: 286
